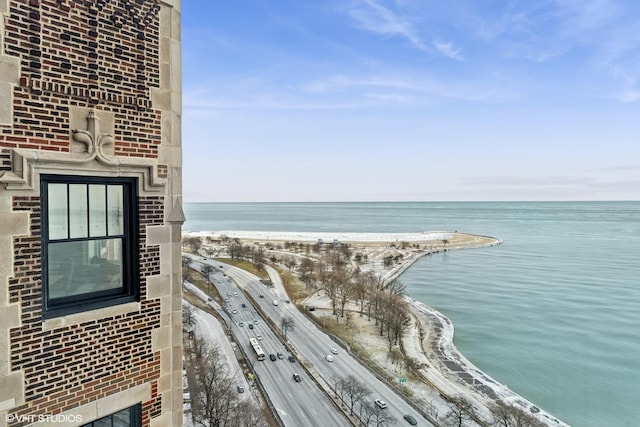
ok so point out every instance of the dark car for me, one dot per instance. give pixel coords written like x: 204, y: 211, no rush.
x: 280, y: 356
x: 240, y: 389
x: 411, y: 420
x: 250, y: 325
x: 261, y: 296
x: 244, y: 305
x: 291, y: 359
x: 312, y: 309
x: 296, y: 378
x: 272, y: 357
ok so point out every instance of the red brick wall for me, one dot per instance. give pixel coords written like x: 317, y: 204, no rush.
x: 71, y: 366
x: 101, y: 54
x: 92, y: 53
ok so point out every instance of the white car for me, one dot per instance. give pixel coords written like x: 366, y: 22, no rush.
x: 275, y: 302
x: 334, y: 350
x: 234, y: 311
x: 329, y: 358
x: 380, y: 403
x: 259, y: 337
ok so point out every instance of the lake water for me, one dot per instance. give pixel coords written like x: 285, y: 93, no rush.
x: 553, y: 312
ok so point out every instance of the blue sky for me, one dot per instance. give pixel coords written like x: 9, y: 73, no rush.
x: 410, y: 100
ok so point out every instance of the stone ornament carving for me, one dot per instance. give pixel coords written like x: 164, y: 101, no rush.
x: 91, y: 151
x: 93, y: 142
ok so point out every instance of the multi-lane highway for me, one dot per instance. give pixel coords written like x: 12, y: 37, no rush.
x: 314, y: 345
x: 297, y: 403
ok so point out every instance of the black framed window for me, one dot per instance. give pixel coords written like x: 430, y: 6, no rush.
x: 129, y: 417
x: 89, y: 242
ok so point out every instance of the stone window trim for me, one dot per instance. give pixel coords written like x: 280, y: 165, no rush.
x: 89, y: 243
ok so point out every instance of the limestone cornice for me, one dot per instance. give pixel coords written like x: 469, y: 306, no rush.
x: 26, y: 164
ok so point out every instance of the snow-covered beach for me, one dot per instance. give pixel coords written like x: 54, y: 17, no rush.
x: 430, y: 341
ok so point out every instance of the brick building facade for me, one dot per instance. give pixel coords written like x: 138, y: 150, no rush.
x: 90, y: 212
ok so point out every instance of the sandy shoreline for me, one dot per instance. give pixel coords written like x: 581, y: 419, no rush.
x: 442, y: 365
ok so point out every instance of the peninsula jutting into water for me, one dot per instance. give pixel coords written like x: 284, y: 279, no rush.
x: 429, y: 342
x: 530, y: 312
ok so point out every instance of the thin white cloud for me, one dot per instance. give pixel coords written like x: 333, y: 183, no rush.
x: 630, y: 92
x: 373, y: 16
x: 447, y: 49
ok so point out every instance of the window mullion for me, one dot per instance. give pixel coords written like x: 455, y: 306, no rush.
x: 68, y: 211
x: 106, y: 209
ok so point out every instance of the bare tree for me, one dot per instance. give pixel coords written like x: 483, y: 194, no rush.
x: 510, y: 416
x: 257, y: 258
x: 398, y: 321
x: 186, y: 266
x: 188, y: 318
x: 340, y: 387
x: 460, y: 412
x: 198, y: 349
x: 396, y: 356
x: 306, y: 269
x: 345, y: 292
x: 290, y: 262
x: 381, y: 417
x: 287, y: 324
x: 206, y: 272
x: 235, y: 249
x: 356, y: 391
x: 194, y: 243
x: 247, y: 414
x: 367, y: 412
x: 216, y: 398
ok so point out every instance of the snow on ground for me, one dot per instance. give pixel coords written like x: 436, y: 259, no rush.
x: 326, y: 237
x: 442, y: 364
x: 210, y: 328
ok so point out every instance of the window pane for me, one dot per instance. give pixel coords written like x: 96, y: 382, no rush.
x: 116, y: 206
x: 58, y: 210
x: 78, y: 210
x: 97, y: 211
x: 83, y: 267
x: 103, y: 422
x: 122, y: 418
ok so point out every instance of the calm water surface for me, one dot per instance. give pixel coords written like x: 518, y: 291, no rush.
x: 553, y: 312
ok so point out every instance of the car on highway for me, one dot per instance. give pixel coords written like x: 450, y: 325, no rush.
x: 296, y: 378
x: 243, y: 305
x: 259, y: 337
x: 410, y: 420
x: 280, y: 356
x: 234, y: 311
x: 334, y: 350
x: 250, y: 325
x: 329, y: 358
x: 240, y: 389
x: 274, y: 302
x: 312, y: 309
x: 380, y: 403
x: 291, y: 359
x: 241, y: 324
x: 272, y: 357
